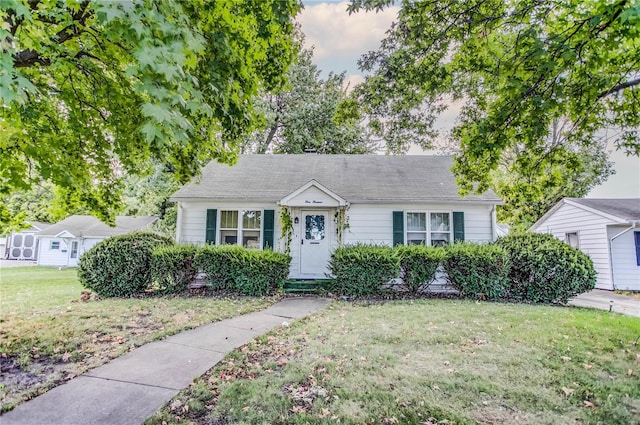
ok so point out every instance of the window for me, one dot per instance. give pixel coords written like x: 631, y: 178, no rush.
x: 54, y: 245
x: 636, y: 236
x: 314, y: 227
x: 571, y: 239
x: 228, y: 227
x: 241, y: 226
x: 440, y: 229
x: 416, y: 228
x: 438, y: 225
x: 251, y: 221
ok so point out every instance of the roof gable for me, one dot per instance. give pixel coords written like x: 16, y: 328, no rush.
x: 354, y: 178
x: 617, y: 210
x: 312, y: 194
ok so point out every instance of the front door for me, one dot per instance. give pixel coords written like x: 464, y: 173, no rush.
x: 73, y: 254
x: 314, y: 243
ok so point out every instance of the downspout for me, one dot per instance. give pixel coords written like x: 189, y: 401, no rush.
x: 634, y: 224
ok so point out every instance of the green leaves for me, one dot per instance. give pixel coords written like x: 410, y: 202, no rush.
x: 516, y: 67
x: 96, y: 90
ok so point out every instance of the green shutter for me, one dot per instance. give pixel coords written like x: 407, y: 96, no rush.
x: 268, y: 229
x: 398, y: 228
x: 458, y: 226
x: 212, y: 219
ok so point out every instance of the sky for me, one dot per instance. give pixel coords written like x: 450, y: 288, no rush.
x: 339, y: 39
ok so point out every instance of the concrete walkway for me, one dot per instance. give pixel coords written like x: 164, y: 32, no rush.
x: 602, y: 300
x: 133, y: 387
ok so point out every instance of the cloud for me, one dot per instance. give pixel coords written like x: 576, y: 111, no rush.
x: 335, y: 33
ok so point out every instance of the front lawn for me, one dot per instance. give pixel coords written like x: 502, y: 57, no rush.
x: 427, y: 362
x: 49, y: 335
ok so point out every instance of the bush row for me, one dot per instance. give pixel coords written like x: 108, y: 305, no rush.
x: 529, y: 267
x: 131, y: 264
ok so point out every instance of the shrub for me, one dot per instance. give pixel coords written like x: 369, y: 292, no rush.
x: 477, y: 270
x: 172, y: 267
x: 248, y: 272
x: 219, y: 264
x: 120, y: 266
x: 545, y: 269
x: 363, y: 269
x: 261, y: 272
x: 418, y: 265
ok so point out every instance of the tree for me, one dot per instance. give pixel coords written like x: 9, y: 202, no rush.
x: 92, y: 90
x: 530, y: 187
x: 518, y: 66
x: 302, y: 115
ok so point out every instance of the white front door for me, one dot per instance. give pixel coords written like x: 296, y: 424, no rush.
x: 73, y: 254
x: 315, y: 243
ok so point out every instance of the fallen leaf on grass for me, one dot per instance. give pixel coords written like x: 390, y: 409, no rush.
x: 587, y: 366
x: 565, y: 358
x: 298, y: 409
x: 568, y: 391
x: 589, y: 404
x: 66, y: 356
x: 629, y: 372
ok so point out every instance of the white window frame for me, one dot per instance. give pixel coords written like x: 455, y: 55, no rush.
x: 54, y: 246
x: 428, y: 230
x: 239, y: 229
x: 566, y: 238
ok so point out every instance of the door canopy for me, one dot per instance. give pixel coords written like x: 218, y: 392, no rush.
x: 313, y: 195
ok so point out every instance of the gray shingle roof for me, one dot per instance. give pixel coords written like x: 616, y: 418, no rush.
x: 625, y: 208
x: 356, y: 178
x: 86, y: 226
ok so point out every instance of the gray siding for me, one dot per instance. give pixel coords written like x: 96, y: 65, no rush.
x: 592, y: 235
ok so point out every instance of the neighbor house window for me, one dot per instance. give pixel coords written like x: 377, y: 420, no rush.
x: 240, y: 226
x: 54, y: 245
x: 428, y: 228
x: 571, y: 239
x: 636, y: 236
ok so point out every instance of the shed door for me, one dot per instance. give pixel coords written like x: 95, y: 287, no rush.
x: 315, y: 243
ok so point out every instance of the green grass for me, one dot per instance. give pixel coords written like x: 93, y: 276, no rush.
x: 427, y: 362
x: 48, y: 332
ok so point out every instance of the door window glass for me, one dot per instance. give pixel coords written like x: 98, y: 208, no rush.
x: 314, y: 227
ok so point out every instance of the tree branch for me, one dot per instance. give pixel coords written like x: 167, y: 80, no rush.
x: 619, y: 87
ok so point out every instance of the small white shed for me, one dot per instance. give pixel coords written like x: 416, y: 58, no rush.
x: 608, y: 230
x: 23, y: 245
x: 63, y: 243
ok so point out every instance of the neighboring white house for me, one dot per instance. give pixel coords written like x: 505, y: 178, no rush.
x: 330, y: 200
x: 63, y: 243
x: 608, y: 230
x: 23, y: 245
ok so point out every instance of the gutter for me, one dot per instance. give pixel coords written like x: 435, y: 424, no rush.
x: 634, y: 224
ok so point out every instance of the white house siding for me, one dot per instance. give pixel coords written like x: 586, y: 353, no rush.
x: 193, y: 218
x: 373, y: 223
x: 592, y: 236
x: 60, y: 257
x: 52, y: 257
x: 626, y: 272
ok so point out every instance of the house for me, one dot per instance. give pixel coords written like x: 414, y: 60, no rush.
x: 63, y: 243
x: 309, y: 204
x: 607, y: 230
x: 23, y: 245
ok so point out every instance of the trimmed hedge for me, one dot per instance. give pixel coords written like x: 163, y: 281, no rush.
x: 479, y: 271
x: 249, y: 272
x: 172, y: 268
x: 362, y: 269
x: 418, y: 265
x: 545, y: 269
x: 120, y: 266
